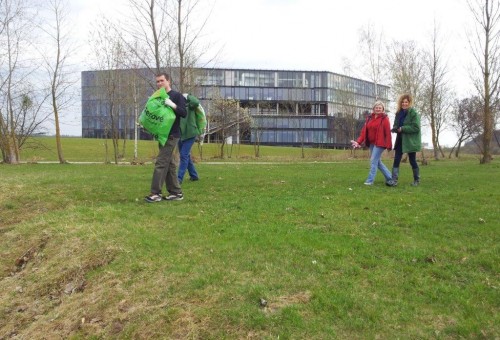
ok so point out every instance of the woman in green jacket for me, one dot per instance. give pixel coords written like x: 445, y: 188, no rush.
x: 408, y: 139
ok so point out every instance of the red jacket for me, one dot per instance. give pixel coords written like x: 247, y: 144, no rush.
x: 377, y: 130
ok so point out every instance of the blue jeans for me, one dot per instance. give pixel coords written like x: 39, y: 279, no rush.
x: 375, y: 162
x: 185, y: 159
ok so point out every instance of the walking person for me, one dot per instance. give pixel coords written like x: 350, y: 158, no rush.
x: 165, y: 167
x: 408, y: 139
x: 191, y: 127
x: 376, y: 134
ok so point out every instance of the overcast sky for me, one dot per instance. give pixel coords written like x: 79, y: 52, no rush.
x: 311, y: 35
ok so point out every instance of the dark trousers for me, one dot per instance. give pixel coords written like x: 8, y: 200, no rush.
x: 165, y: 169
x: 398, y: 155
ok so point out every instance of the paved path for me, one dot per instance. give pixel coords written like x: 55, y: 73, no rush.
x: 209, y: 163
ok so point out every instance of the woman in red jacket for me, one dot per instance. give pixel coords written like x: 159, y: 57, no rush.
x: 376, y: 134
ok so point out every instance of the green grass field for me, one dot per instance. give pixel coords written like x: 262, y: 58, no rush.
x: 84, y: 257
x: 43, y: 149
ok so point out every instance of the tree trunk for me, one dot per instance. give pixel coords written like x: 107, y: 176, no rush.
x: 458, y: 150
x: 452, y: 149
x: 58, y: 131
x: 14, y: 157
x: 180, y: 47
x: 487, y: 136
x: 10, y: 156
x: 488, y: 126
x: 222, y: 148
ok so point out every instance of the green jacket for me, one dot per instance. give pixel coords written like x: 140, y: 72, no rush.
x: 189, y: 126
x: 410, y: 131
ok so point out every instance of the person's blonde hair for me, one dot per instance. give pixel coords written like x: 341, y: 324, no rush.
x: 404, y: 96
x: 378, y: 102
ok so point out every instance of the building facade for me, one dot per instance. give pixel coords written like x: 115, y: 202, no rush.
x: 316, y: 108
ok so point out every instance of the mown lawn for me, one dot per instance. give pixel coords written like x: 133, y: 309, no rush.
x: 43, y: 149
x: 288, y: 250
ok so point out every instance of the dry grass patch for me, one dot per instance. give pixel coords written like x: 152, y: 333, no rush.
x: 41, y: 272
x: 280, y: 302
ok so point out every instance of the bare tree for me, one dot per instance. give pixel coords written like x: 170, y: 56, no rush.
x: 436, y: 95
x: 466, y: 122
x: 255, y: 133
x: 256, y: 121
x: 405, y: 64
x: 167, y: 35
x: 190, y: 23
x: 371, y: 42
x: 56, y: 64
x: 350, y: 119
x: 224, y: 117
x: 136, y: 89
x: 10, y: 13
x: 21, y: 101
x: 149, y: 34
x: 108, y: 49
x: 300, y: 110
x: 486, y: 51
x: 162, y: 36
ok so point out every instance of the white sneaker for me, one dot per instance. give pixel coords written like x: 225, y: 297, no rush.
x: 153, y: 198
x: 174, y: 197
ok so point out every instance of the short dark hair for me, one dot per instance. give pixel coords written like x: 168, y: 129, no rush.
x: 164, y: 74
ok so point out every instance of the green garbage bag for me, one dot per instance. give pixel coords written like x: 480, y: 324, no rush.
x: 157, y: 118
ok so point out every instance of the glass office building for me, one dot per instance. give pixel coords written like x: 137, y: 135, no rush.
x: 316, y: 108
